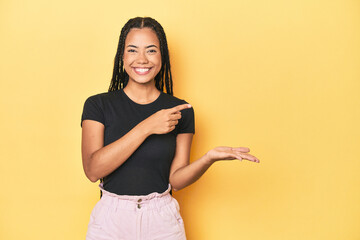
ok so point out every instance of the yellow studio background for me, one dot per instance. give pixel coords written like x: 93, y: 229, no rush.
x: 280, y: 77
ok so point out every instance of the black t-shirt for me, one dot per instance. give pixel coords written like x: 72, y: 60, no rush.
x: 147, y: 169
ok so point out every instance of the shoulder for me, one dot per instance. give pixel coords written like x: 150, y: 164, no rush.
x: 102, y: 99
x: 96, y: 106
x: 173, y: 100
x: 104, y: 96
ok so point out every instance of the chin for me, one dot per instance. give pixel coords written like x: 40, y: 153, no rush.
x: 143, y: 82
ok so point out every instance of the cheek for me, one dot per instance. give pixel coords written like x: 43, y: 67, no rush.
x: 126, y: 59
x: 129, y: 57
x: 159, y: 64
x: 158, y: 61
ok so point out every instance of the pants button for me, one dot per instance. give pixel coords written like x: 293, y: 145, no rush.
x: 139, y: 200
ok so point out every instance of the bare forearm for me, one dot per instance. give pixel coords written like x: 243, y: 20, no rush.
x: 107, y: 159
x: 189, y: 174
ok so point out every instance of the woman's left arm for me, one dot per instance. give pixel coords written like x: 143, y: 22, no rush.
x: 183, y: 174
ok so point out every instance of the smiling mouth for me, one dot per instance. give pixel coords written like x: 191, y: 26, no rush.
x: 141, y: 70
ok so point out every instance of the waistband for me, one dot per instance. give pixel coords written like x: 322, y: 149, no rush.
x: 138, y: 202
x: 135, y: 197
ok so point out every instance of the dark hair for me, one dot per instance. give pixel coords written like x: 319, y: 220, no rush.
x: 120, y: 78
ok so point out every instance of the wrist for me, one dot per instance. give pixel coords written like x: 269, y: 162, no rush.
x: 144, y: 128
x: 208, y: 159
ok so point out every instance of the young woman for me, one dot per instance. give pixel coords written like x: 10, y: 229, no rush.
x: 136, y: 139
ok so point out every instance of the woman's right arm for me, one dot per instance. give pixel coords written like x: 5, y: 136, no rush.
x: 99, y: 160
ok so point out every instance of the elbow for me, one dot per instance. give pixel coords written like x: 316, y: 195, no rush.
x: 94, y: 180
x: 91, y: 176
x: 174, y: 186
x: 175, y: 189
x: 89, y: 171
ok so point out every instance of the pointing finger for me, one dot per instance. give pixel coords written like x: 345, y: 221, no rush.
x: 180, y: 107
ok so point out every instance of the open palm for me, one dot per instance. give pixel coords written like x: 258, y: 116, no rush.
x: 230, y: 153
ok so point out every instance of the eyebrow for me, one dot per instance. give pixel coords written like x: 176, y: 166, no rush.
x: 138, y: 47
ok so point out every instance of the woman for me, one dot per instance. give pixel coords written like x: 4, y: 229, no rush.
x: 136, y: 139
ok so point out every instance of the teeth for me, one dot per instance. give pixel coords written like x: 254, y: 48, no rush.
x: 142, y: 69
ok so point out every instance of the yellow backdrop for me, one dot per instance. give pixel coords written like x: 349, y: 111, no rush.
x: 280, y: 77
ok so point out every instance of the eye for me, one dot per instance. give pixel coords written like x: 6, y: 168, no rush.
x: 131, y: 50
x: 152, y: 51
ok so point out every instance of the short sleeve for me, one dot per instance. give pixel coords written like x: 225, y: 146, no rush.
x: 93, y: 110
x: 187, y: 121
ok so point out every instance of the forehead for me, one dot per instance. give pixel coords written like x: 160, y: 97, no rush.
x: 141, y: 37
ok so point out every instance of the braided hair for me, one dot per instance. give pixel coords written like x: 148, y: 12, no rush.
x: 120, y: 78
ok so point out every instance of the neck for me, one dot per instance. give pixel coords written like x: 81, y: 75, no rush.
x: 141, y: 93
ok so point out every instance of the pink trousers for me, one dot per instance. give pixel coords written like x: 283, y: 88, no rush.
x: 155, y: 216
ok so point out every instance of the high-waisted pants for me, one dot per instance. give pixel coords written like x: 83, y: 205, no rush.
x: 155, y: 216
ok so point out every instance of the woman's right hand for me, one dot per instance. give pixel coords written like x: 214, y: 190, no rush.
x: 164, y: 120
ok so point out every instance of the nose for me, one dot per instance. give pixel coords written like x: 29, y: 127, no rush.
x: 142, y: 58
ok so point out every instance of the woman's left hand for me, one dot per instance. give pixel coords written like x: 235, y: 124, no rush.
x: 230, y: 153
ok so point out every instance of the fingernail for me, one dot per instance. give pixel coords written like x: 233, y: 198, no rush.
x: 189, y: 106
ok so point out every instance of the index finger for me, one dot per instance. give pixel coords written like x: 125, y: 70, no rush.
x: 180, y: 107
